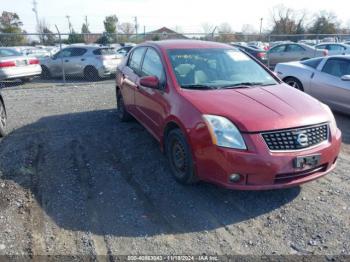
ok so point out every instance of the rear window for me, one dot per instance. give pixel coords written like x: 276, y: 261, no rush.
x: 312, y: 62
x: 8, y: 52
x: 104, y: 51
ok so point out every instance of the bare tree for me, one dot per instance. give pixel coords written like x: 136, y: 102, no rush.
x: 127, y: 28
x: 288, y: 21
x: 248, y: 29
x: 207, y: 28
x: 226, y: 33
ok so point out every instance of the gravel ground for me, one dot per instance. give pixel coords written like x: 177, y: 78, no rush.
x: 75, y: 181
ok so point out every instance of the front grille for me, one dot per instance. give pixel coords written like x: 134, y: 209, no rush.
x: 298, y: 138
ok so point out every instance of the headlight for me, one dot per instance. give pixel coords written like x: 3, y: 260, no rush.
x: 224, y: 133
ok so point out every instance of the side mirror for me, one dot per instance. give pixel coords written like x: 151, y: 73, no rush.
x: 150, y: 81
x: 345, y: 78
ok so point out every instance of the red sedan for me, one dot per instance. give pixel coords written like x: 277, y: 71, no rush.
x: 222, y: 117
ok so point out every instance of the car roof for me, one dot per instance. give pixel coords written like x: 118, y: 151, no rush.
x: 187, y: 44
x: 330, y: 43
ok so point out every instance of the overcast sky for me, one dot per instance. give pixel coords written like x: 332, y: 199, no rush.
x: 186, y: 14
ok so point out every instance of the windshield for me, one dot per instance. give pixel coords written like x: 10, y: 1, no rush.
x: 217, y: 68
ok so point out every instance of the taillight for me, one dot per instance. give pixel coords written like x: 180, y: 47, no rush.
x: 325, y: 52
x: 34, y: 61
x: 7, y: 64
x: 261, y: 55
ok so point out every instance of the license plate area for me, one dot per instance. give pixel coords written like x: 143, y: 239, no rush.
x: 310, y: 161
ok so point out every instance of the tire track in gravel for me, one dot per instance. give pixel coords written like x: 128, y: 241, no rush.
x: 35, y: 221
x: 100, y: 249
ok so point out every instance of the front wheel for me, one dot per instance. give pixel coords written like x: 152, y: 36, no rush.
x: 91, y: 74
x: 180, y: 159
x: 3, y: 119
x: 292, y: 81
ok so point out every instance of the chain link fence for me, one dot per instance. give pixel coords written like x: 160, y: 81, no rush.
x: 72, y: 57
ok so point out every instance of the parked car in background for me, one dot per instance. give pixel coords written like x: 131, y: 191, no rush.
x: 335, y: 48
x: 259, y: 45
x: 347, y: 43
x: 222, y: 117
x: 123, y: 51
x: 327, y: 79
x: 3, y: 116
x: 89, y: 61
x: 292, y: 52
x: 257, y: 53
x: 14, y: 65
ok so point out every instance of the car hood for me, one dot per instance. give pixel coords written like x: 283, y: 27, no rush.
x: 257, y: 109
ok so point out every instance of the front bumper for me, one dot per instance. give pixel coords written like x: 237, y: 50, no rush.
x: 261, y: 169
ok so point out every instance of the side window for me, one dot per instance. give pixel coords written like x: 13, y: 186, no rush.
x: 152, y: 64
x: 277, y: 49
x: 64, y: 53
x: 337, y: 67
x: 136, y: 59
x: 336, y: 48
x: 78, y: 51
x: 295, y: 48
x: 322, y: 47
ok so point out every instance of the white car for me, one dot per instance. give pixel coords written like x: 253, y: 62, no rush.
x: 325, y: 78
x: 335, y: 48
x: 14, y: 65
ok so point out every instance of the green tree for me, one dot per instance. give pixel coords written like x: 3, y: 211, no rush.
x: 75, y: 38
x: 85, y: 29
x: 110, y: 24
x: 10, y: 23
x: 324, y: 23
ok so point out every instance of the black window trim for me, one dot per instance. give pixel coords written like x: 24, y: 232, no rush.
x: 138, y: 70
x: 164, y: 80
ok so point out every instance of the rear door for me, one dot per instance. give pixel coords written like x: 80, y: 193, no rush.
x: 129, y: 76
x: 75, y: 63
x: 328, y: 87
x: 296, y: 52
x: 150, y: 102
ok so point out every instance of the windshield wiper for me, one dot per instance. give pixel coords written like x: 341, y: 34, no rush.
x: 198, y: 86
x: 246, y: 85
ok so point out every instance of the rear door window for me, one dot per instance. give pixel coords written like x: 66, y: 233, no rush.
x: 295, y: 48
x: 136, y: 58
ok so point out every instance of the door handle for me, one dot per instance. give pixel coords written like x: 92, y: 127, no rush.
x: 83, y: 59
x: 66, y: 61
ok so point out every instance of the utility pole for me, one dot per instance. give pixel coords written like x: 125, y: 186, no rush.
x: 69, y: 24
x: 86, y: 22
x: 261, y: 20
x: 136, y: 25
x: 35, y: 10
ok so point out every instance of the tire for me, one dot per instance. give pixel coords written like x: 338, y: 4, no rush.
x: 3, y: 119
x: 180, y: 159
x: 122, y: 113
x: 294, y: 82
x: 26, y: 79
x: 45, y: 73
x: 91, y: 73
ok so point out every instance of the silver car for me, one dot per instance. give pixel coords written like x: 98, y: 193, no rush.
x: 14, y: 65
x: 335, y: 48
x: 327, y: 79
x: 91, y: 62
x: 292, y: 52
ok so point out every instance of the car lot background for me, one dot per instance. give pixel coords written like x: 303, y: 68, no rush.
x: 74, y: 180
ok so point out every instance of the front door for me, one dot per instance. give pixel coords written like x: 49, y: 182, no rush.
x: 150, y: 102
